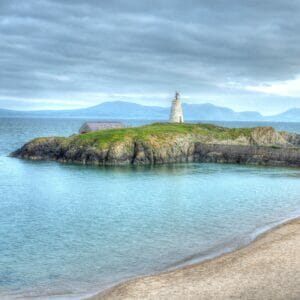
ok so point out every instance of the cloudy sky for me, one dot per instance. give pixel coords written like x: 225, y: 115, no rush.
x: 76, y: 53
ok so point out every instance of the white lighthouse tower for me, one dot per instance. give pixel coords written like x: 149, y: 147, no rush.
x: 176, y: 115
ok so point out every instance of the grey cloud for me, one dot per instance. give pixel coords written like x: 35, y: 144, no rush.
x: 56, y: 48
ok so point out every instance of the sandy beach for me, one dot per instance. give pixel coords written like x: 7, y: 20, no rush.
x: 268, y: 268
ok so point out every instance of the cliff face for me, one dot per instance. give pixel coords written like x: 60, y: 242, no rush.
x: 169, y: 143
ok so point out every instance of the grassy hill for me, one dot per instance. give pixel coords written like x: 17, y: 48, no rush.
x: 161, y: 132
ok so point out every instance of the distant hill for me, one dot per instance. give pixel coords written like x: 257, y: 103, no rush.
x: 129, y: 110
x: 125, y: 110
x: 210, y: 112
x: 106, y: 110
x: 291, y: 115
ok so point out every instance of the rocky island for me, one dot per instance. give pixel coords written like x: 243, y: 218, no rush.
x: 169, y: 143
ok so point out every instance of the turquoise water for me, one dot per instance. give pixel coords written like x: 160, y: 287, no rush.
x: 67, y: 231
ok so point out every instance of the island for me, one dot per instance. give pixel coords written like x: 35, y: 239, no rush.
x: 161, y: 143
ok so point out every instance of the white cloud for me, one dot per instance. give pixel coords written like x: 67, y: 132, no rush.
x: 49, y: 76
x: 289, y: 88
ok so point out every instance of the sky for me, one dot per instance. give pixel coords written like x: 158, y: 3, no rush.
x: 56, y: 54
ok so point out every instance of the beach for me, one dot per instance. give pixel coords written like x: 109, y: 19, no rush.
x: 268, y: 268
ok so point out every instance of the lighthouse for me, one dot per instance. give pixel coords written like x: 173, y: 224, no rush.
x: 176, y: 115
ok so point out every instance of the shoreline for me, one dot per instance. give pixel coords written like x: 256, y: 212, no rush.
x: 194, y: 280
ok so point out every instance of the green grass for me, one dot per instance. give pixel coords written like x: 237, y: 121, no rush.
x: 159, y: 131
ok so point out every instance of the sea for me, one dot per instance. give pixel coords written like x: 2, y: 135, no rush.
x: 69, y: 231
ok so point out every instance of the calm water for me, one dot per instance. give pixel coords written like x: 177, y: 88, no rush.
x: 70, y: 230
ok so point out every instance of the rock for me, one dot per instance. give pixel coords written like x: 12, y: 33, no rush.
x: 158, y: 144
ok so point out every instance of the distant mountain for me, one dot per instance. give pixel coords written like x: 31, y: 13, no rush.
x: 210, y: 112
x: 125, y: 110
x: 129, y: 110
x: 291, y: 115
x: 106, y: 110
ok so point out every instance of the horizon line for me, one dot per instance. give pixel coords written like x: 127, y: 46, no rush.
x: 131, y: 102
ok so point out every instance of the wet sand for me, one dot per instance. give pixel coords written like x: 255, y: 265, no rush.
x: 268, y: 268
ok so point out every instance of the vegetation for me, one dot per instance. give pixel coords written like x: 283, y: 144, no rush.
x: 160, y: 132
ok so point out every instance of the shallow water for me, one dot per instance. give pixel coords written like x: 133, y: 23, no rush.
x: 69, y: 230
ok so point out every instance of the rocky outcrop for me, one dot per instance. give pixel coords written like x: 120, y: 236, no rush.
x: 291, y: 138
x: 240, y: 154
x: 263, y: 146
